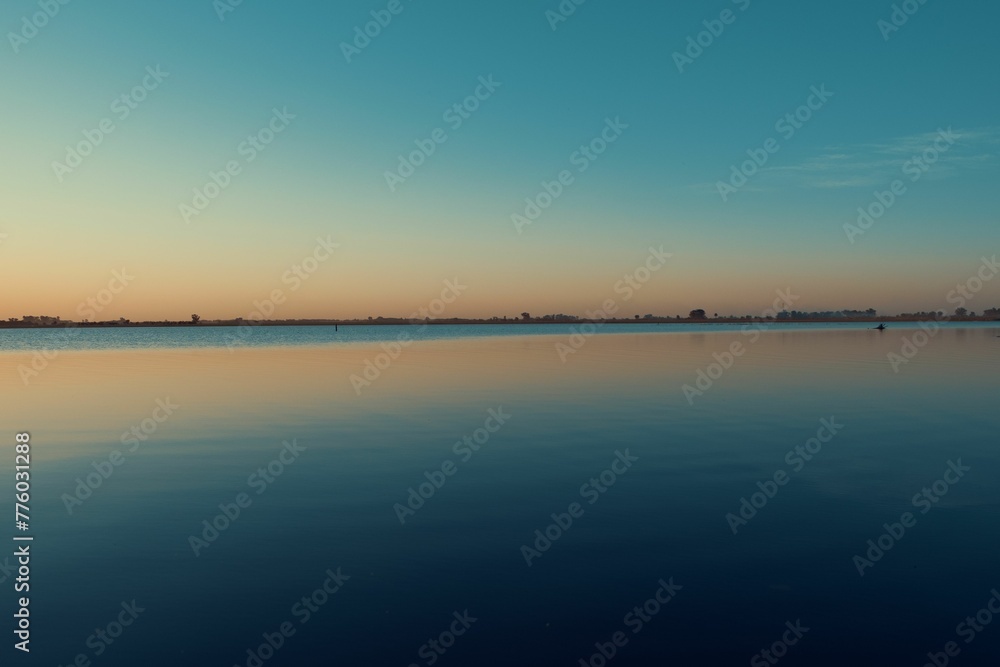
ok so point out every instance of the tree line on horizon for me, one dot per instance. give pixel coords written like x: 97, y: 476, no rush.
x: 697, y: 314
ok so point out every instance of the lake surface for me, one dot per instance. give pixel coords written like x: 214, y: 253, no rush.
x: 647, y: 479
x: 113, y: 338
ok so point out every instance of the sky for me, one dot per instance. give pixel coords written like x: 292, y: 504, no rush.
x: 619, y: 121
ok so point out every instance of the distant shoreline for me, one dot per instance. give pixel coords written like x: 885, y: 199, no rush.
x: 465, y: 322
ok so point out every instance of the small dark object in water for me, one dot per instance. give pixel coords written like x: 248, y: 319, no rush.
x: 880, y: 327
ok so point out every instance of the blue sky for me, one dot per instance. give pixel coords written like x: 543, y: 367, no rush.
x: 657, y: 184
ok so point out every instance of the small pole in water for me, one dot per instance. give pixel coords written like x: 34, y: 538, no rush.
x: 334, y: 327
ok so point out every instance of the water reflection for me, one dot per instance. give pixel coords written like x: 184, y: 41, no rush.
x: 333, y: 507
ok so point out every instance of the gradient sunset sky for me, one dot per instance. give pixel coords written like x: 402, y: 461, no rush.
x: 63, y: 234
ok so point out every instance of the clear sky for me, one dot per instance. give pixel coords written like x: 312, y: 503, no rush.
x: 557, y: 85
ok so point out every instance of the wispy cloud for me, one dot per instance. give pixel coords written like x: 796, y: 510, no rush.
x: 872, y: 164
x: 869, y: 164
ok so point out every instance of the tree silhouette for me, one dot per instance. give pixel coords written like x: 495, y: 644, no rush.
x: 698, y: 314
x: 195, y: 319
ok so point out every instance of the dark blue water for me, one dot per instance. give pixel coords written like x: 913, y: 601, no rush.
x: 269, y: 336
x: 679, y: 467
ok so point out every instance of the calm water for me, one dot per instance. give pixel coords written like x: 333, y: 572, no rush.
x: 267, y: 336
x: 662, y: 516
